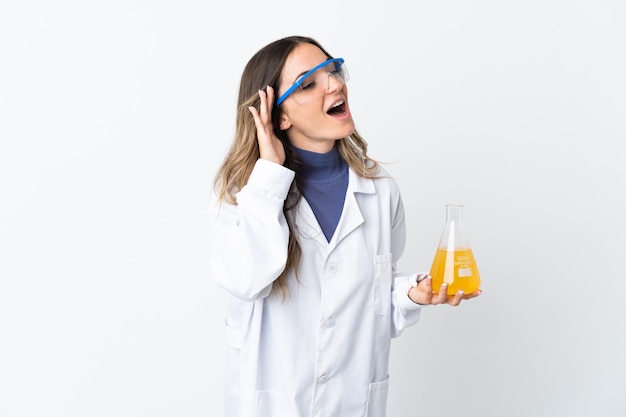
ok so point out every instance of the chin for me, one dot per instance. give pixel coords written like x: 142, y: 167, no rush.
x: 348, y: 130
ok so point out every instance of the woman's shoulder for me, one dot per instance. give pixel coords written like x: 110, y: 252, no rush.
x: 380, y: 181
x: 385, y: 177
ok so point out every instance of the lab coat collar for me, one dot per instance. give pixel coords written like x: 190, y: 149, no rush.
x: 351, y: 217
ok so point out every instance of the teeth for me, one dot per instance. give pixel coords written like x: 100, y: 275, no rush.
x: 339, y: 103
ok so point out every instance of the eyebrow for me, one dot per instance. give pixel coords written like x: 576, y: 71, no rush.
x: 305, y: 71
x: 300, y: 75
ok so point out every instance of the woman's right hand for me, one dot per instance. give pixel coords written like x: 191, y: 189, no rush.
x: 270, y: 147
x: 423, y: 294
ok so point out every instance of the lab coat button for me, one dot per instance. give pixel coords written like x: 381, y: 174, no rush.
x: 323, y: 379
x: 333, y: 268
x: 329, y: 323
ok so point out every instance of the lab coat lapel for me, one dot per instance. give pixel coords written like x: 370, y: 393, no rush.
x: 351, y: 216
x: 306, y: 223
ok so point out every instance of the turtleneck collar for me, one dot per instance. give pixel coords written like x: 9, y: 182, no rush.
x: 321, y: 166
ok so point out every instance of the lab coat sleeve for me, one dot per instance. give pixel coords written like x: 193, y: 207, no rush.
x: 248, y: 241
x: 405, y: 312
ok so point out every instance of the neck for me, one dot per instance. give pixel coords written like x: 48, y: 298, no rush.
x: 317, y: 146
x: 320, y: 166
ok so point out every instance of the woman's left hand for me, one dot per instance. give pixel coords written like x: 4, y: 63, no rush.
x: 423, y: 294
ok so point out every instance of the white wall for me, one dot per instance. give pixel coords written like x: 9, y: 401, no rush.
x: 114, y: 116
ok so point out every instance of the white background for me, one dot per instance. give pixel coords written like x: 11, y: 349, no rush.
x: 114, y: 116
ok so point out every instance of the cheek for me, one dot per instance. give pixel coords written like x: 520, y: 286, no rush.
x: 305, y: 115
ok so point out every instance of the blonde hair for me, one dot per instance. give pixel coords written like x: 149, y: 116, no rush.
x: 264, y: 69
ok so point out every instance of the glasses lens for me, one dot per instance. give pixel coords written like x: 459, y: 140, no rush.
x: 330, y: 77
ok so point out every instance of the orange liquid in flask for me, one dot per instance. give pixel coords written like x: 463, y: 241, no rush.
x: 457, y: 268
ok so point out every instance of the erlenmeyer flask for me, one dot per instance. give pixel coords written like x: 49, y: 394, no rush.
x: 454, y: 261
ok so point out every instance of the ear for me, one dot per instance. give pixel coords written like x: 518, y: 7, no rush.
x: 283, y: 122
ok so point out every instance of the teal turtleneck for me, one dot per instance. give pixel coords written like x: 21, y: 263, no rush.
x: 324, y: 179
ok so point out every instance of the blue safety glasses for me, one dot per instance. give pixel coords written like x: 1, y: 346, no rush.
x: 316, y: 82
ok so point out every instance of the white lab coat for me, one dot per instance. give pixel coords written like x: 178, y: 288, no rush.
x: 325, y: 351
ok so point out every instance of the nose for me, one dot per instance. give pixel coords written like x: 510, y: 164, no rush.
x: 334, y: 83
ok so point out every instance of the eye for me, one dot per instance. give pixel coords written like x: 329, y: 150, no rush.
x: 307, y: 85
x: 338, y: 72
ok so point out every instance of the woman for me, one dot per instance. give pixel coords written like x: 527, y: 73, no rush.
x: 305, y: 235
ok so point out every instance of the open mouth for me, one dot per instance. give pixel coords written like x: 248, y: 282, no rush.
x: 337, y: 108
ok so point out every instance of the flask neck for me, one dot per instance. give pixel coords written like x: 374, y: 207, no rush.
x: 453, y: 237
x: 454, y: 213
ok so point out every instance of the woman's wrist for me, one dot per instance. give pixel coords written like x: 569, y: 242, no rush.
x: 415, y: 280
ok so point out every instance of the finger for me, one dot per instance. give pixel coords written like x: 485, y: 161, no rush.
x: 263, y: 119
x: 455, y: 300
x: 262, y: 104
x: 267, y: 99
x: 270, y: 98
x: 255, y: 116
x: 427, y: 285
x: 425, y: 288
x: 442, y: 296
x: 473, y: 294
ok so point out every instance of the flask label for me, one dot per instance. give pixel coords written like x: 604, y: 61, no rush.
x: 464, y: 264
x: 465, y: 272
